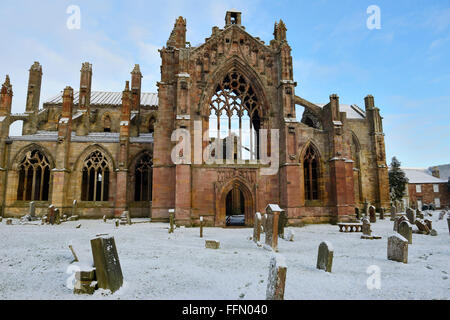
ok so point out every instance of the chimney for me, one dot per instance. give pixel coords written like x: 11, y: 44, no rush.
x: 85, y: 86
x: 136, y: 80
x: 435, y: 172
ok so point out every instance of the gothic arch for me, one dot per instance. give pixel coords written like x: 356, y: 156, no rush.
x: 31, y: 147
x: 242, y: 67
x: 78, y: 166
x: 312, y: 172
x: 221, y: 199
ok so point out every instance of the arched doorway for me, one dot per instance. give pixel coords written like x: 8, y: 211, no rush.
x: 235, y: 206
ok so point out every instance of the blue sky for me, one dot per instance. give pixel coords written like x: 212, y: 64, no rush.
x: 405, y: 64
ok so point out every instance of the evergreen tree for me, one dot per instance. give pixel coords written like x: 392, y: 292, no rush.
x: 397, y: 180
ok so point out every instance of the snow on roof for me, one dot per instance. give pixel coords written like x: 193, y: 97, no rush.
x: 107, y: 98
x: 444, y: 171
x: 420, y: 175
x: 353, y: 111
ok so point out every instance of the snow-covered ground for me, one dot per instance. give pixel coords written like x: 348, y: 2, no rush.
x: 35, y: 263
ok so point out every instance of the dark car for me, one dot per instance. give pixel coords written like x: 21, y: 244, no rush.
x: 428, y: 207
x: 237, y: 220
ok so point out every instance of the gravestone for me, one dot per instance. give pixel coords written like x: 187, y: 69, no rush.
x: 1, y: 219
x: 257, y: 228
x: 411, y: 215
x: 422, y: 226
x: 57, y: 219
x: 85, y: 282
x: 442, y: 215
x: 277, y: 278
x: 212, y: 244
x: 74, y: 208
x: 325, y: 257
x: 51, y: 214
x: 372, y: 214
x: 171, y: 220
x: 107, y: 264
x: 397, y: 249
x: 289, y: 235
x: 201, y: 227
x: 263, y: 222
x: 9, y: 222
x: 104, y: 218
x: 381, y: 213
x: 398, y: 220
x: 429, y: 223
x: 366, y: 208
x: 366, y: 227
x: 273, y: 213
x: 32, y: 212
x: 393, y: 212
x: 448, y: 222
x: 117, y: 223
x: 419, y: 214
x: 405, y: 230
x: 282, y: 223
x: 75, y: 257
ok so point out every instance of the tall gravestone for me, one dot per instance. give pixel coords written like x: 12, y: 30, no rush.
x: 263, y: 222
x: 393, y: 212
x: 171, y: 220
x: 51, y: 214
x: 398, y: 220
x: 277, y: 278
x: 372, y: 214
x: 201, y: 227
x: 411, y: 215
x: 405, y: 230
x: 366, y: 227
x: 397, y: 249
x: 282, y: 223
x: 273, y: 214
x: 32, y: 209
x: 257, y: 228
x: 325, y: 256
x: 107, y: 264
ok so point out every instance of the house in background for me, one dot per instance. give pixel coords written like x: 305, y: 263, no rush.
x: 425, y: 187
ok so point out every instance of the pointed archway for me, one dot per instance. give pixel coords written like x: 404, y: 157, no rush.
x: 235, y: 199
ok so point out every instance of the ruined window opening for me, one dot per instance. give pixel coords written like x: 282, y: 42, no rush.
x: 151, y: 125
x: 95, y: 179
x: 143, y: 179
x: 311, y: 174
x: 235, y: 117
x: 34, y: 177
x: 107, y: 124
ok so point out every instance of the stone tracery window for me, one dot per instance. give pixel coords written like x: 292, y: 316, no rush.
x: 143, y: 179
x: 95, y: 180
x: 235, y: 112
x: 34, y: 177
x: 311, y: 174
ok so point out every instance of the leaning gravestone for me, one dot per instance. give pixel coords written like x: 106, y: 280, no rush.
x: 419, y: 214
x: 442, y: 215
x: 273, y: 213
x: 393, y: 213
x: 405, y: 230
x: 277, y: 278
x: 325, y: 257
x: 411, y: 215
x: 106, y: 262
x: 372, y: 214
x: 429, y: 223
x: 422, y: 226
x: 257, y: 228
x: 32, y: 212
x: 398, y: 220
x: 397, y: 249
x: 282, y: 223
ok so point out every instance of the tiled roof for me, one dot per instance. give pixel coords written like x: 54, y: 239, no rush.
x: 353, y: 111
x: 91, y: 137
x: 108, y: 98
x: 419, y: 175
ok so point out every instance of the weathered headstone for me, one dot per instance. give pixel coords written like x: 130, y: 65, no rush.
x: 397, y: 249
x: 429, y: 223
x: 257, y: 227
x: 51, y: 214
x: 74, y: 208
x: 433, y: 233
x: 393, y: 212
x: 398, y: 220
x: 366, y: 208
x: 366, y: 227
x: 273, y: 213
x: 411, y: 215
x: 405, y: 230
x: 32, y: 211
x: 9, y: 222
x: 201, y: 227
x: 263, y: 222
x: 212, y: 244
x: 171, y: 220
x: 85, y: 282
x: 422, y: 226
x: 419, y: 214
x: 107, y: 264
x: 372, y: 214
x: 325, y: 256
x: 277, y: 278
x: 282, y: 223
x: 381, y: 213
x: 104, y: 218
x: 117, y: 223
x: 358, y: 216
x: 442, y: 215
